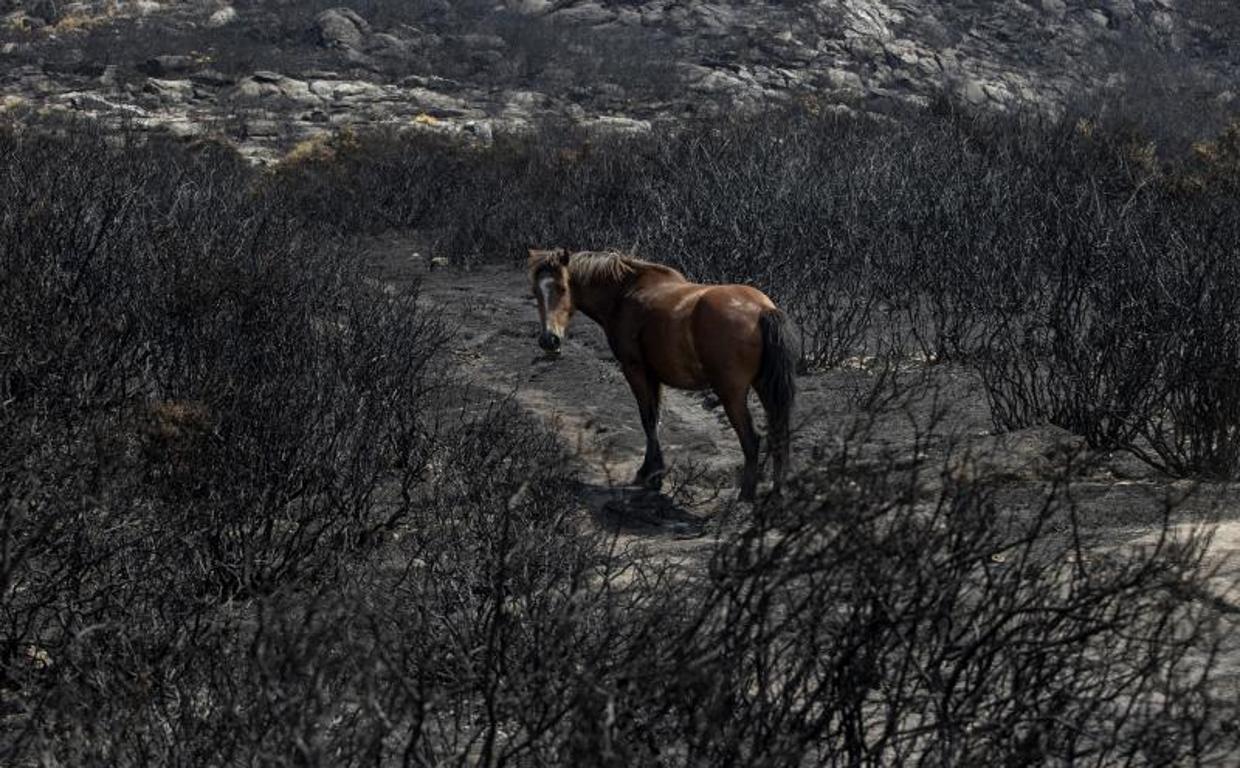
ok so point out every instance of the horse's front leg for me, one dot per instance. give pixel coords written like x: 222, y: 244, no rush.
x: 647, y: 390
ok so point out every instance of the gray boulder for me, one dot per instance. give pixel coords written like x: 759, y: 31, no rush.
x: 340, y: 28
x: 222, y: 17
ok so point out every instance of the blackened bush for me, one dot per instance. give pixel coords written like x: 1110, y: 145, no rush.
x: 1195, y: 430
x: 871, y: 620
x: 503, y: 611
x: 375, y: 181
x: 1089, y: 365
x: 201, y: 396
x: 873, y: 616
x: 462, y: 637
x: 1129, y: 340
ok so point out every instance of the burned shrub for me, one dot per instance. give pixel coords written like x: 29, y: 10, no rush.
x: 879, y: 613
x: 424, y: 644
x: 872, y: 620
x: 1195, y: 430
x: 1129, y: 341
x: 1077, y: 367
x: 375, y: 181
x: 205, y: 400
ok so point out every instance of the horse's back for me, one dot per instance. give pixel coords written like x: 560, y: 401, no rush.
x: 683, y: 301
x: 695, y: 335
x: 733, y: 303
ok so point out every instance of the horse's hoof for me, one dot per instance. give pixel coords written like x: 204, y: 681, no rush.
x: 651, y: 481
x: 654, y: 483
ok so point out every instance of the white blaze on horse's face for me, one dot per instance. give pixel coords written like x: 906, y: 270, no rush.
x: 549, y: 275
x: 546, y: 292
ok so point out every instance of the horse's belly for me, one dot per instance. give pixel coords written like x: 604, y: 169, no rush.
x: 670, y: 353
x: 681, y: 379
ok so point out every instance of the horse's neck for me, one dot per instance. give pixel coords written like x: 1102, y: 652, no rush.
x: 598, y: 298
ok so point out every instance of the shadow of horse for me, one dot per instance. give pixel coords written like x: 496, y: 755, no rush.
x: 636, y: 510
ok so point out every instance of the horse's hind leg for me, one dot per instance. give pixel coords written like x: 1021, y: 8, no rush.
x: 647, y: 391
x: 737, y: 409
x: 776, y: 441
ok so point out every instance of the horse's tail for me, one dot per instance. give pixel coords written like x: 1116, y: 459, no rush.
x: 776, y: 385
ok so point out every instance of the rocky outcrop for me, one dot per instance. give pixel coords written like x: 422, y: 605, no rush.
x: 605, y: 64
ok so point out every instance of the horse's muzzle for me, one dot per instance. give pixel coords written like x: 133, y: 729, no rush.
x: 550, y: 342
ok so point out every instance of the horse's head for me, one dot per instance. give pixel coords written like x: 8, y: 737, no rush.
x: 549, y: 281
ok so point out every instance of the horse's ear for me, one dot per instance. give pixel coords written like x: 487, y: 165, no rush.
x: 565, y: 255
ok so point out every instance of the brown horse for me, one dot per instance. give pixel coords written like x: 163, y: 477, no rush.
x: 664, y: 329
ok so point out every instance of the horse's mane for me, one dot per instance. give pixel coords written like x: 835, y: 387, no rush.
x: 611, y: 266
